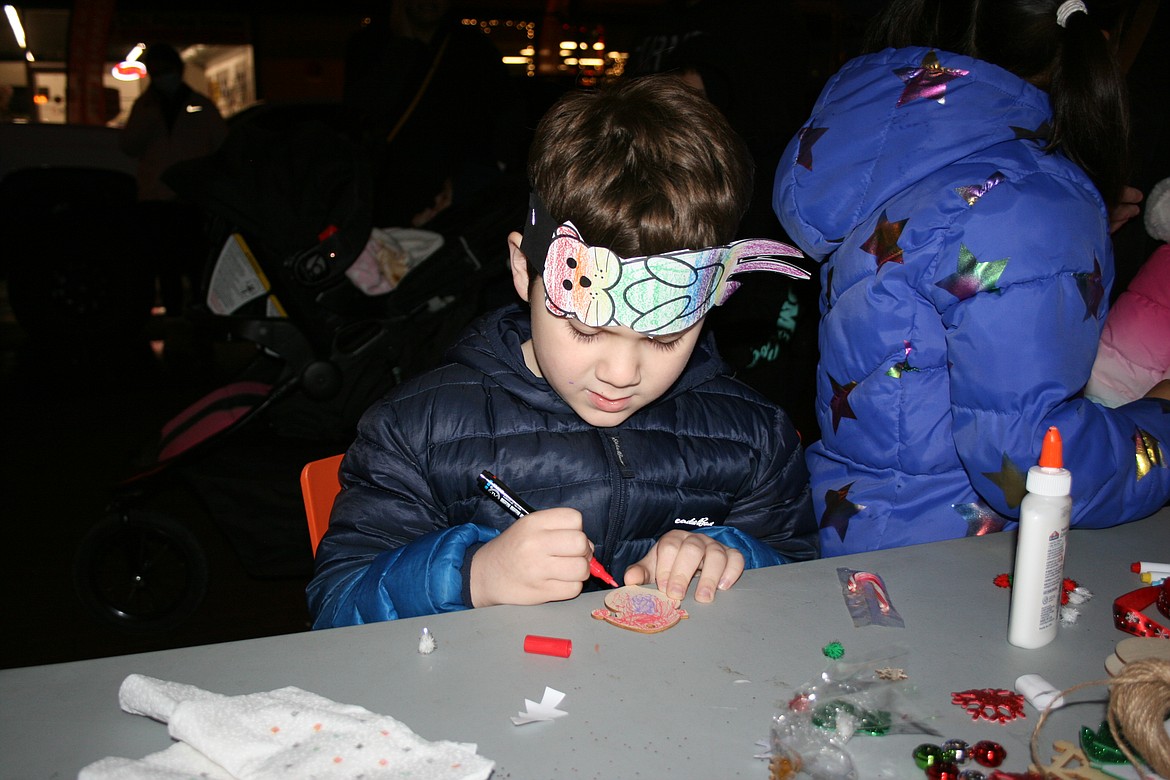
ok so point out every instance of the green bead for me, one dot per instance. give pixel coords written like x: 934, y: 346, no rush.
x: 927, y: 754
x: 834, y: 650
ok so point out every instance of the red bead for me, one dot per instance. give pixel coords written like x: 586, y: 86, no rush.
x: 988, y: 753
x: 800, y: 703
x: 944, y: 770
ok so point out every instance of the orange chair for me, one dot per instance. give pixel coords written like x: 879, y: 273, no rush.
x: 319, y: 486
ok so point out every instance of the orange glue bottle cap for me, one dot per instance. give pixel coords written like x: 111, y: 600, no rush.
x: 1052, y: 450
x: 1049, y: 477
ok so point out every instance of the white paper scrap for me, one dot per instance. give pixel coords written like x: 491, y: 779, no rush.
x: 545, y: 710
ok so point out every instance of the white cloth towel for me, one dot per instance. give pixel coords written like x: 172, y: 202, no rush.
x: 280, y: 734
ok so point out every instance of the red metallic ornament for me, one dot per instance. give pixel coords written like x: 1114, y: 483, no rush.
x: 943, y: 770
x: 988, y: 753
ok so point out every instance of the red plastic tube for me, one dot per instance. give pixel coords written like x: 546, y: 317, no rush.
x: 548, y: 645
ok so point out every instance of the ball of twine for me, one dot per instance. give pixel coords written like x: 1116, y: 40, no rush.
x: 1139, y: 703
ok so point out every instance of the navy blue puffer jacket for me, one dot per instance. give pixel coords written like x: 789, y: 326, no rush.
x: 710, y: 456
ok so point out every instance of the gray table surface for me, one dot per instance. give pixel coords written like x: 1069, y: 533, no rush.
x: 689, y: 702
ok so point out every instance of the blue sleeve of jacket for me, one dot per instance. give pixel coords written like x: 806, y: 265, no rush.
x: 390, y: 550
x: 755, y: 554
x: 1021, y: 353
x: 424, y: 577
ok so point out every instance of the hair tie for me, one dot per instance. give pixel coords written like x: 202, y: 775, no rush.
x: 1067, y: 9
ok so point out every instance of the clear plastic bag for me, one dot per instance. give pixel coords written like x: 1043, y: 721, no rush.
x: 871, y: 695
x: 800, y: 749
x: 868, y: 601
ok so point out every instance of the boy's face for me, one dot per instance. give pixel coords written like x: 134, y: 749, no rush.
x: 604, y: 374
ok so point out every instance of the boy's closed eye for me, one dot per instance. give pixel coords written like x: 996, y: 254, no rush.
x: 587, y: 334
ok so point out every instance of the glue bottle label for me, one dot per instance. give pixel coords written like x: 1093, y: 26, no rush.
x: 1053, y: 576
x: 1039, y: 570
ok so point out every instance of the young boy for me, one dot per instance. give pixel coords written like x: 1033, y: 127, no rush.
x: 601, y: 403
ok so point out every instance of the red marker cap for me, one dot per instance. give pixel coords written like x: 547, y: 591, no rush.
x: 1135, y: 567
x: 548, y: 645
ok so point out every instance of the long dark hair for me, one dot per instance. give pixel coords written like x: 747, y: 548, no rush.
x: 1075, y: 64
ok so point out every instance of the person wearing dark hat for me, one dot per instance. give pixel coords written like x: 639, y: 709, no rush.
x: 168, y: 123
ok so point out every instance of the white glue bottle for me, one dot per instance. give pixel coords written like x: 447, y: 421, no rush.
x: 1040, y: 543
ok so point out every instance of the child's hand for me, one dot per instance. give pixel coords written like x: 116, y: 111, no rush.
x: 1126, y: 209
x: 677, y: 555
x: 541, y: 557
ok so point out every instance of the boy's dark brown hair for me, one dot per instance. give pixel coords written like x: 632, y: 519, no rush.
x: 641, y: 166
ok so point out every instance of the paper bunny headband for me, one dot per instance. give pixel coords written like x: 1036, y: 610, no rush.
x: 651, y: 294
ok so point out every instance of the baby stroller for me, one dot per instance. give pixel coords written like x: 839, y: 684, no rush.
x: 289, y: 217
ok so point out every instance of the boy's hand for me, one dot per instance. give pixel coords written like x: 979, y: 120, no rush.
x: 677, y: 555
x: 541, y: 557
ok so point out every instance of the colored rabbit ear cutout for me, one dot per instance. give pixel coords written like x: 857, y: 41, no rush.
x: 757, y: 254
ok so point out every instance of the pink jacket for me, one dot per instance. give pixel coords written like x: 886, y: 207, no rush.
x: 1134, y: 353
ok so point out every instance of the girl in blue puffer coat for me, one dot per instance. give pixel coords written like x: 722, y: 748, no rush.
x: 601, y: 403
x: 956, y: 188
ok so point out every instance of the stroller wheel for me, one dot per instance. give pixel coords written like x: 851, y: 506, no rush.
x: 140, y: 571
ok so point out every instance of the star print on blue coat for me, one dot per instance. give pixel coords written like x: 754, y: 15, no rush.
x: 973, y: 276
x: 971, y: 193
x: 965, y: 274
x: 981, y: 519
x: 1149, y: 453
x: 1092, y: 289
x: 927, y: 81
x: 883, y: 244
x: 808, y: 138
